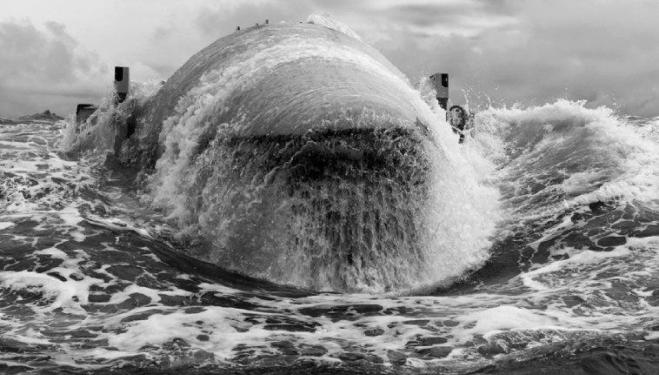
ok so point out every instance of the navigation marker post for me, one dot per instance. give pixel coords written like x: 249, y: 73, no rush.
x: 121, y: 83
x: 440, y: 83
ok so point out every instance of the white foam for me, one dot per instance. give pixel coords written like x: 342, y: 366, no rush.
x: 52, y: 252
x: 206, y: 287
x: 577, y: 259
x: 62, y: 292
x: 153, y: 294
x: 6, y: 224
x: 71, y: 216
x: 606, y: 156
x: 218, y: 324
x: 496, y: 319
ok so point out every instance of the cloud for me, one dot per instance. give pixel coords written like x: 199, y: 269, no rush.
x: 37, y: 65
x: 430, y: 19
x: 527, y: 51
x: 600, y: 51
x: 506, y: 51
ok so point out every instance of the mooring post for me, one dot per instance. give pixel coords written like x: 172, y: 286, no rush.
x: 440, y: 83
x: 121, y: 83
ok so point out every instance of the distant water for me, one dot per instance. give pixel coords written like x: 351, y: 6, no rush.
x: 559, y: 273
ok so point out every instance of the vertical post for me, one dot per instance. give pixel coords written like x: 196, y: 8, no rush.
x: 121, y: 83
x: 440, y: 83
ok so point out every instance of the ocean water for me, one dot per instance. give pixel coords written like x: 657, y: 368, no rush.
x: 531, y: 248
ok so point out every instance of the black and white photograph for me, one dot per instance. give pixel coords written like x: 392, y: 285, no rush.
x: 252, y: 187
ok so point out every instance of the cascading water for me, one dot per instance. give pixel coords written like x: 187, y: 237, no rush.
x: 299, y: 155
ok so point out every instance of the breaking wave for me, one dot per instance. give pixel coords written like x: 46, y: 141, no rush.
x: 300, y: 155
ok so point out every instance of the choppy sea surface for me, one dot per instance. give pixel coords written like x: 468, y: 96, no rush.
x: 93, y: 279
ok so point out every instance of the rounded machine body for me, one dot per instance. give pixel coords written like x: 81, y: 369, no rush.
x: 297, y: 154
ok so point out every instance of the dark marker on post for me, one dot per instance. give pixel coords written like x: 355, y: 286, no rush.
x: 83, y: 111
x: 121, y: 83
x: 440, y: 83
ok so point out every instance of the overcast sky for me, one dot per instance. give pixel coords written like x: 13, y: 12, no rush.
x: 56, y: 53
